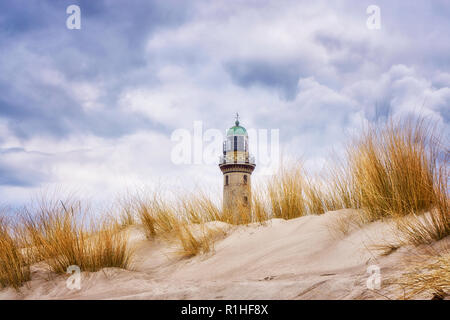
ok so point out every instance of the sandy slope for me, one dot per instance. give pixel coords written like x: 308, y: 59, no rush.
x: 304, y: 258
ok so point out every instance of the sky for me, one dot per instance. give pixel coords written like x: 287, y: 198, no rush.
x: 94, y: 109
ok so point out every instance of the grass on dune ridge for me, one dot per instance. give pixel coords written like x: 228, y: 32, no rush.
x: 14, y: 266
x: 60, y: 234
x: 397, y: 170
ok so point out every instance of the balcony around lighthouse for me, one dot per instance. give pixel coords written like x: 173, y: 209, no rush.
x: 232, y: 159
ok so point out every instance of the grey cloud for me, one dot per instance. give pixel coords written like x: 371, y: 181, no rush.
x: 109, y: 49
x: 15, y: 178
x: 351, y: 74
x: 12, y: 174
x: 279, y: 75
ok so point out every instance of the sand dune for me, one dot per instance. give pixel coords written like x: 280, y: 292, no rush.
x: 303, y: 258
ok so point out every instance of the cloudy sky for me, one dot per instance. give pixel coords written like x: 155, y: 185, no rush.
x: 94, y: 109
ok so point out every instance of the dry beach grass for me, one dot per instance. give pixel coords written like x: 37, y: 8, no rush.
x: 397, y: 172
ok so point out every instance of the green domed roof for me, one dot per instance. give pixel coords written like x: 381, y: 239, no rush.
x: 237, y: 130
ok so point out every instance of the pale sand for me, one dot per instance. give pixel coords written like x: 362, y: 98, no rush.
x: 303, y: 258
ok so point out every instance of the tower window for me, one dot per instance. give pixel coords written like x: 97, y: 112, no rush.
x: 245, y: 200
x: 226, y: 180
x: 245, y: 179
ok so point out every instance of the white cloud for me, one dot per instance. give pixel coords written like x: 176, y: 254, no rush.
x: 227, y: 57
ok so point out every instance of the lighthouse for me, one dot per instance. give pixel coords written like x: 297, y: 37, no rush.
x: 237, y: 166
